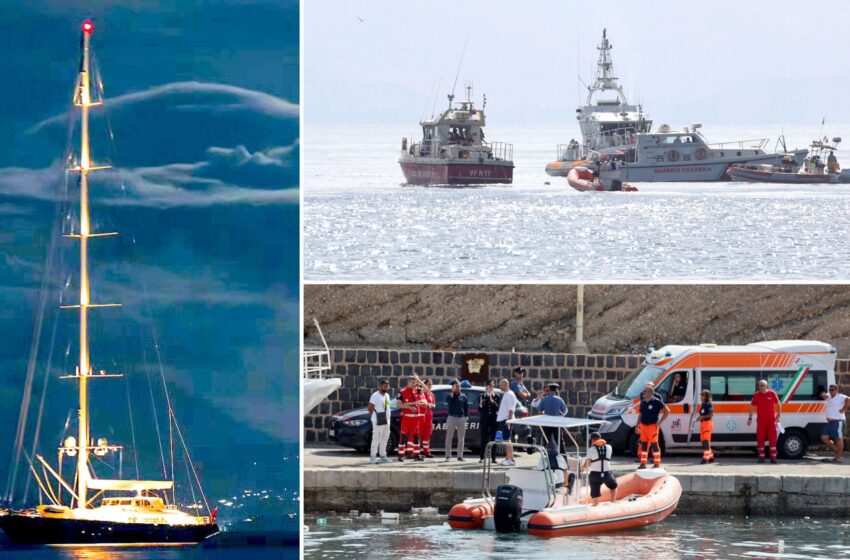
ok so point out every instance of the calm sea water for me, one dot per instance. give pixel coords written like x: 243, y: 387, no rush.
x: 361, y: 223
x: 227, y: 548
x: 676, y: 537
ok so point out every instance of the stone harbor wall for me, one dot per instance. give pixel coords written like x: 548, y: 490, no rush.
x: 769, y: 495
x: 583, y: 377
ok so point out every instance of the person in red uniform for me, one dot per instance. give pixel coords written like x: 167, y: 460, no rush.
x: 426, y: 424
x: 408, y: 441
x: 768, y: 408
x: 650, y: 409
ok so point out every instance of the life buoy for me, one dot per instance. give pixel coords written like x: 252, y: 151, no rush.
x: 673, y: 155
x: 701, y: 153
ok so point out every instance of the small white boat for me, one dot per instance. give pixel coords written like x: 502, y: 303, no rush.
x: 317, y: 369
x: 821, y: 167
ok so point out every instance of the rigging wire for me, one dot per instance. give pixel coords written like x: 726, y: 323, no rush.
x: 132, y: 426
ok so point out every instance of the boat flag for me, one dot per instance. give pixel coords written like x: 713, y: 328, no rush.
x: 795, y: 383
x: 214, y: 513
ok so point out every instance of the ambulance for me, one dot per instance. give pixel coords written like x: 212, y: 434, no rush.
x: 800, y: 371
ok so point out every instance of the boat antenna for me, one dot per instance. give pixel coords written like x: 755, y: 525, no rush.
x: 459, y: 64
x: 436, y: 92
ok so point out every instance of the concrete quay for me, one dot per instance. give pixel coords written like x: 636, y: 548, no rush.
x: 338, y: 480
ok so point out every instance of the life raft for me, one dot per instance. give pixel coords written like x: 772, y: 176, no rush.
x: 646, y: 497
x: 582, y: 179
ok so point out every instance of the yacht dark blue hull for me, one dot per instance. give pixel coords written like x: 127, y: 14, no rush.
x: 34, y: 529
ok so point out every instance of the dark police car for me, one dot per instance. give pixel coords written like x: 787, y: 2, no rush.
x: 353, y: 428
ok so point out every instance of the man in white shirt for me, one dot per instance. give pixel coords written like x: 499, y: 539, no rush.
x: 506, y: 412
x: 832, y: 435
x: 379, y: 411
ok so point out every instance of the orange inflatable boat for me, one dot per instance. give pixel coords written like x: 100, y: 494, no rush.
x: 533, y: 502
x: 582, y: 179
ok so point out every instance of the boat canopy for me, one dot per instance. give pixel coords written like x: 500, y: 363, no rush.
x: 130, y: 485
x: 544, y: 421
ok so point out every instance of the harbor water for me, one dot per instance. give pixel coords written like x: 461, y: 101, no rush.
x: 679, y: 536
x: 360, y: 221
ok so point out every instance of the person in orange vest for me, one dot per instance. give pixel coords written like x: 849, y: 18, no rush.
x: 768, y: 408
x: 426, y: 425
x: 706, y: 426
x: 650, y: 409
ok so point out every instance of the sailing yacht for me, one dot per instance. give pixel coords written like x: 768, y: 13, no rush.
x: 138, y: 512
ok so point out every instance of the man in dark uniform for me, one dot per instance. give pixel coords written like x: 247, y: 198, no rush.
x: 648, y: 425
x: 488, y: 407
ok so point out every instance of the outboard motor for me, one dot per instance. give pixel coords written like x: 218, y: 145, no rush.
x: 508, y: 510
x: 616, y: 185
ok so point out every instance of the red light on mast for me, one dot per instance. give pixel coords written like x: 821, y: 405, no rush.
x: 88, y: 26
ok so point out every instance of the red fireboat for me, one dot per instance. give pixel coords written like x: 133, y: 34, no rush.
x: 453, y: 151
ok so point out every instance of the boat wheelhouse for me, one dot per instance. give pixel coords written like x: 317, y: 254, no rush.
x: 608, y: 122
x: 453, y: 150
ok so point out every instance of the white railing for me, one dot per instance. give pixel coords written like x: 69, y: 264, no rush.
x: 501, y: 150
x: 755, y: 144
x: 316, y: 362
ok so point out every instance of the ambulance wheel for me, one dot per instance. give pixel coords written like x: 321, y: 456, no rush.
x: 793, y: 444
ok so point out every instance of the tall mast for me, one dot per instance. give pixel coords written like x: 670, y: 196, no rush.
x: 605, y: 79
x: 84, y: 102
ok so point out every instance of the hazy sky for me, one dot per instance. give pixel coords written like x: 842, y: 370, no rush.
x: 755, y: 62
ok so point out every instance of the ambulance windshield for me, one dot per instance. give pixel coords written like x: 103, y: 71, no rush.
x: 633, y: 384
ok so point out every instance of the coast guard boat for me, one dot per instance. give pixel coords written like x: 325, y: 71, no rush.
x: 820, y: 167
x: 129, y: 512
x: 453, y: 151
x: 608, y: 124
x: 678, y: 156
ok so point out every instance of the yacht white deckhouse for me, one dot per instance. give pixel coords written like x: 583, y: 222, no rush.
x: 608, y: 123
x: 669, y: 155
x: 145, y: 512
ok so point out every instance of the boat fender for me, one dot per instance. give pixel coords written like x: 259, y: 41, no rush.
x: 508, y: 510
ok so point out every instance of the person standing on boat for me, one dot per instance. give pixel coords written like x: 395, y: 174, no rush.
x: 426, y: 424
x: 832, y: 434
x: 832, y: 163
x: 408, y: 441
x: 553, y: 405
x: 706, y: 426
x: 506, y: 412
x: 458, y: 412
x: 650, y: 409
x: 379, y: 411
x: 599, y: 460
x: 518, y: 387
x: 768, y: 407
x: 488, y: 407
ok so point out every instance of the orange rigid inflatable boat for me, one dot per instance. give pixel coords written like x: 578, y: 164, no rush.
x: 544, y: 509
x: 582, y: 179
